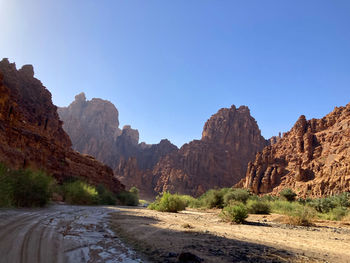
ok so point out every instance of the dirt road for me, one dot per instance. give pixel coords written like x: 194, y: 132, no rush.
x: 60, y: 234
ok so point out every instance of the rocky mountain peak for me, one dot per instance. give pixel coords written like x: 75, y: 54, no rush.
x: 232, y: 125
x: 132, y: 135
x: 27, y: 70
x: 80, y: 98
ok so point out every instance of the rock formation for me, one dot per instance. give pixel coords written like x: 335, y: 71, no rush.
x: 230, y: 139
x: 313, y: 158
x: 31, y: 133
x: 93, y: 127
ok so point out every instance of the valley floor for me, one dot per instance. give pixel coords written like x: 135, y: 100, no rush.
x: 63, y: 233
x: 163, y: 236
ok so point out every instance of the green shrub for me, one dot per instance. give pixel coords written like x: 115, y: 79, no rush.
x: 337, y: 213
x: 288, y: 194
x: 24, y: 188
x: 284, y: 207
x: 268, y: 198
x: 168, y: 202
x: 134, y: 191
x: 258, y: 207
x: 190, y: 201
x: 212, y: 198
x: 323, y: 205
x: 105, y: 197
x: 297, y: 213
x: 237, y: 213
x: 342, y: 199
x: 80, y: 193
x: 302, y: 216
x: 128, y: 198
x: 238, y: 195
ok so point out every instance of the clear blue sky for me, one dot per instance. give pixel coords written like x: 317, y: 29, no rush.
x: 169, y: 65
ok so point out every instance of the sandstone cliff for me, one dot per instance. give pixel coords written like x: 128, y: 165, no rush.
x: 313, y: 158
x: 230, y: 139
x: 93, y: 127
x: 31, y: 133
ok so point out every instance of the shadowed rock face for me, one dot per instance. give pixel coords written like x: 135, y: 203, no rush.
x: 31, y: 133
x: 313, y: 158
x: 93, y: 127
x: 230, y: 139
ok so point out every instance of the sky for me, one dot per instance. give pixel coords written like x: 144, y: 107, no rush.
x: 169, y: 65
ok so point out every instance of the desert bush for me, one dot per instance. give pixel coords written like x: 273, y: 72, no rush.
x: 129, y: 198
x: 168, y: 202
x: 31, y: 188
x: 297, y: 214
x: 284, y: 207
x: 323, y: 205
x: 237, y: 213
x: 239, y: 195
x: 337, y: 213
x: 258, y: 207
x: 212, y: 198
x: 134, y: 191
x: 24, y: 188
x: 190, y: 201
x: 342, y: 199
x: 105, y: 197
x: 288, y: 194
x: 267, y: 198
x: 302, y: 216
x: 80, y: 193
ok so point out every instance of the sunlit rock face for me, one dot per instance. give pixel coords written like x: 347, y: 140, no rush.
x: 31, y: 133
x: 313, y: 158
x: 230, y: 139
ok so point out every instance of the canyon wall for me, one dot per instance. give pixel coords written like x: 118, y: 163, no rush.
x: 31, y: 133
x: 313, y: 158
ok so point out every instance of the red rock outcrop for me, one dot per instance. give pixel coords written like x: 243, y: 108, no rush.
x: 31, y: 133
x: 230, y: 139
x: 313, y: 158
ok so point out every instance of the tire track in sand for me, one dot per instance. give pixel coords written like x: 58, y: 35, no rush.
x: 60, y: 234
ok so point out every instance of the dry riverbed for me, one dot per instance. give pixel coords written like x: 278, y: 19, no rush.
x: 63, y: 233
x: 163, y: 236
x: 60, y: 234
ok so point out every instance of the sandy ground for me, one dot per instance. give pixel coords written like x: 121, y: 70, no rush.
x: 60, y: 234
x: 163, y: 236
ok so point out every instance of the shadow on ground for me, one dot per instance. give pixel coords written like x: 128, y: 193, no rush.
x: 165, y: 245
